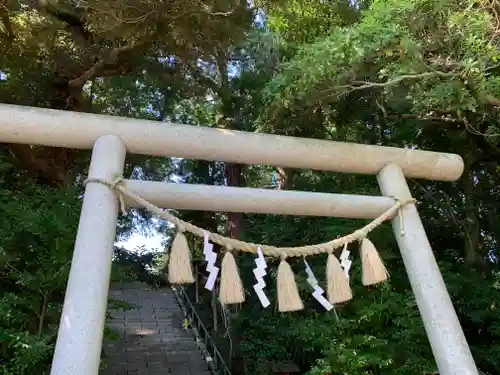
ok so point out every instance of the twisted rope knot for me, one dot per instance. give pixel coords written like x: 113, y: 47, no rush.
x: 233, y: 244
x: 402, y: 204
x: 117, y: 185
x: 117, y: 181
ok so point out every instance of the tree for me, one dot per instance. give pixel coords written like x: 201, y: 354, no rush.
x: 55, y: 50
x: 397, y: 73
x: 123, y: 58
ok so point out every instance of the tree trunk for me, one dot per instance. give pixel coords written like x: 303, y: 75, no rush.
x: 214, y: 311
x: 473, y: 253
x: 196, y: 284
x: 235, y: 220
x: 51, y: 166
x: 284, y: 177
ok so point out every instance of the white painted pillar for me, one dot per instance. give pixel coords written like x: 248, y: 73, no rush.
x: 450, y: 349
x: 79, y: 341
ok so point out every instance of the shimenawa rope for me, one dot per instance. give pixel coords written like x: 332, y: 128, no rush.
x: 234, y: 244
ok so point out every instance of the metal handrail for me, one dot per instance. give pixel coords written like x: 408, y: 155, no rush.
x: 212, y: 355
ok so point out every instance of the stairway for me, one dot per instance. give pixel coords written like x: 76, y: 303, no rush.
x: 152, y: 338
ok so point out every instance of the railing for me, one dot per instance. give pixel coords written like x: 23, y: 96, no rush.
x: 203, y: 338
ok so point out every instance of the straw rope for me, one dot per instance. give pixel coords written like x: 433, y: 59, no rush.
x: 234, y: 244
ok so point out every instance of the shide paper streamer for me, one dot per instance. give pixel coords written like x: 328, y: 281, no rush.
x: 318, y: 292
x: 210, y: 258
x: 260, y: 272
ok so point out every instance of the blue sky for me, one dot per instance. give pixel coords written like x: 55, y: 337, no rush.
x: 137, y: 240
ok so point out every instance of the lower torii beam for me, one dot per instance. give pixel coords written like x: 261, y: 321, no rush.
x: 261, y: 201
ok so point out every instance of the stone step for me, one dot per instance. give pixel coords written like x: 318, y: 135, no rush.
x: 153, y: 340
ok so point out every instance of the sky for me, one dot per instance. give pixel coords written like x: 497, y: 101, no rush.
x: 137, y: 240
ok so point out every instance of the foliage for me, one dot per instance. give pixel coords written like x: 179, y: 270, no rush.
x: 38, y: 229
x: 140, y: 264
x: 121, y: 58
x: 418, y: 73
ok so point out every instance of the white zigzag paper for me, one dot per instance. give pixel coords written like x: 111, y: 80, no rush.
x: 345, y: 262
x: 210, y: 258
x: 260, y: 272
x: 318, y: 292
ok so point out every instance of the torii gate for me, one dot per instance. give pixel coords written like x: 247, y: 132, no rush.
x: 79, y: 340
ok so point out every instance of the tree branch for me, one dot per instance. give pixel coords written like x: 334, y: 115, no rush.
x: 73, y: 19
x: 449, y: 205
x: 42, y: 314
x: 9, y: 34
x: 112, y: 58
x: 425, y: 118
x: 362, y: 85
x: 204, y: 80
x: 41, y: 168
x: 493, y: 101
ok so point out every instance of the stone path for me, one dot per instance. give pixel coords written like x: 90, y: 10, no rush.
x: 153, y: 341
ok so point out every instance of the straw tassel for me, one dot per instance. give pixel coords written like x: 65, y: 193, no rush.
x: 288, y: 294
x: 180, y: 270
x: 374, y: 271
x: 338, y: 288
x: 231, y: 288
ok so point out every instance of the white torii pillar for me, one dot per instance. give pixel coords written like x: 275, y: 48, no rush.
x: 448, y: 343
x: 79, y: 341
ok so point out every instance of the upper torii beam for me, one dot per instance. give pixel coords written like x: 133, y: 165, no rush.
x: 78, y: 130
